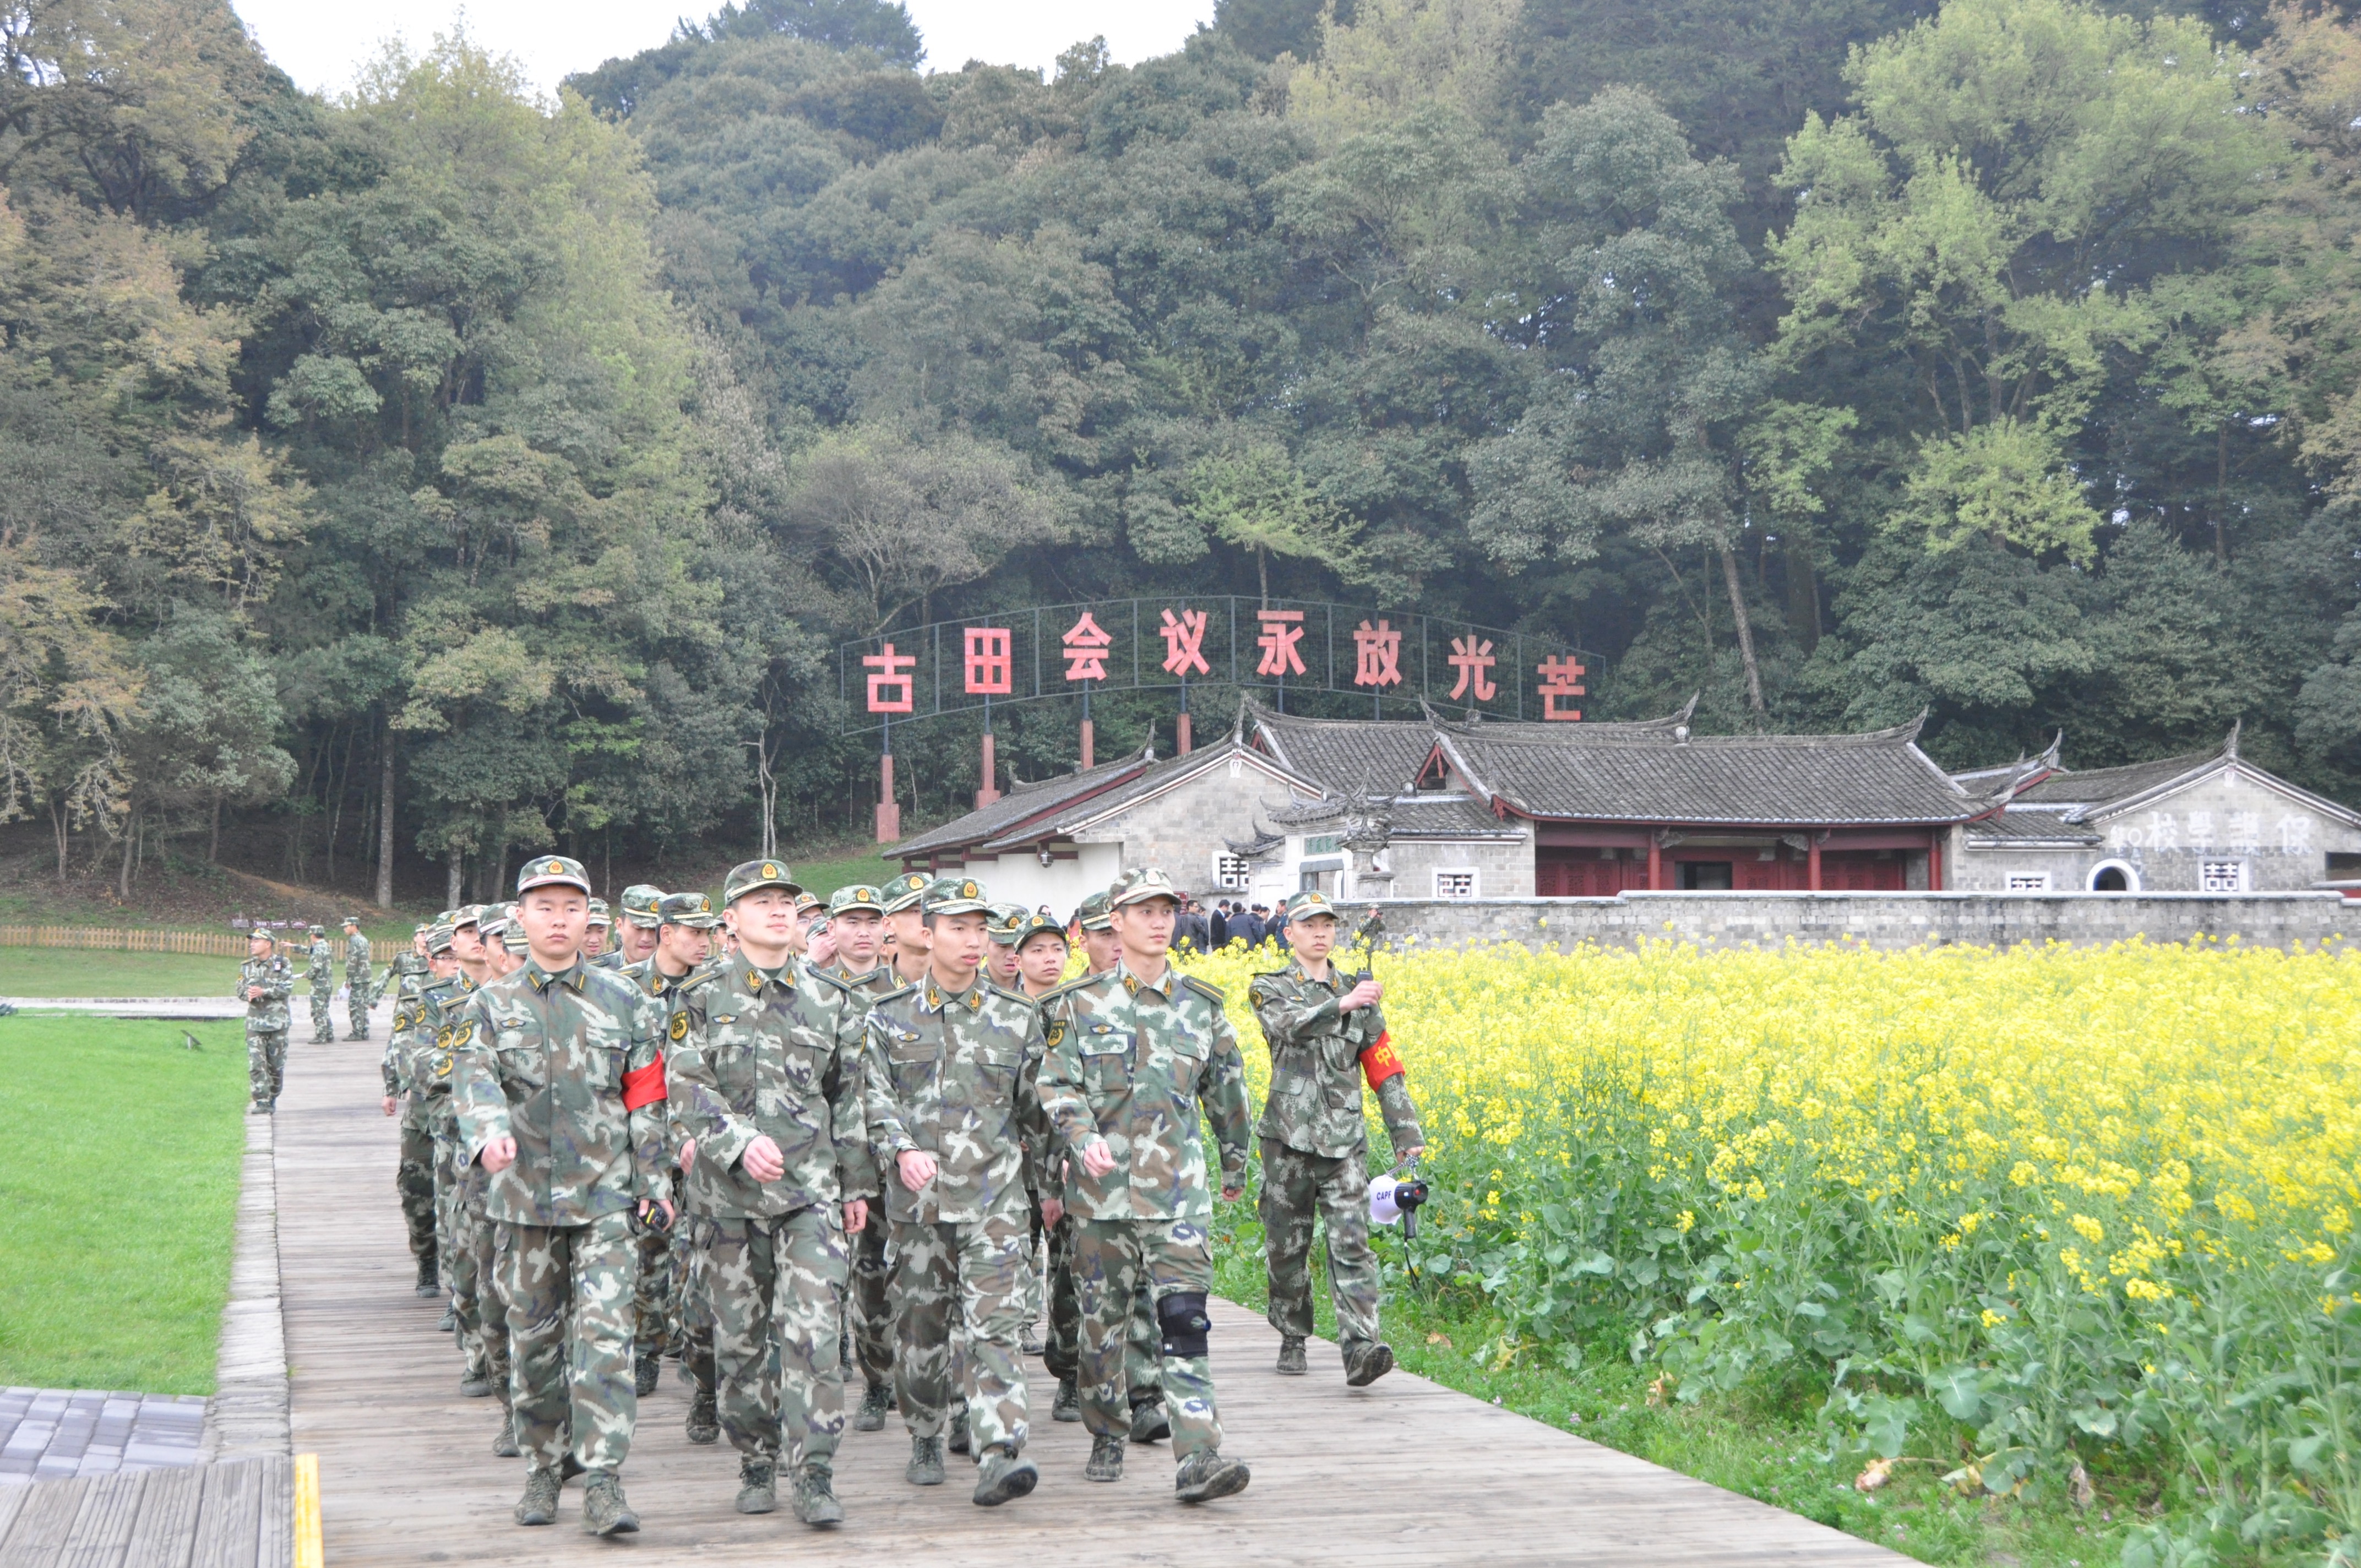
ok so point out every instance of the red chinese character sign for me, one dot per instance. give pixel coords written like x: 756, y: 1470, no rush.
x: 1086, y: 644
x: 891, y: 688
x: 1282, y: 630
x: 1184, y: 643
x: 991, y: 668
x: 1473, y: 660
x: 1377, y: 655
x: 1559, y: 679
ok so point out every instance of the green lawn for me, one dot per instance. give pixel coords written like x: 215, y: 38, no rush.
x: 119, y: 1156
x: 824, y: 877
x: 77, y: 972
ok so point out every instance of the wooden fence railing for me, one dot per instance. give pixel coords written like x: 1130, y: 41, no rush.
x: 209, y: 944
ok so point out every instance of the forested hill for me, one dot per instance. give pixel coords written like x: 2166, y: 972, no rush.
x: 515, y: 465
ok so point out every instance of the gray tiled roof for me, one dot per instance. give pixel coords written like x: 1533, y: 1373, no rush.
x: 2098, y: 785
x: 1020, y: 805
x: 1155, y: 776
x: 1380, y: 755
x: 1582, y: 773
x: 2047, y: 826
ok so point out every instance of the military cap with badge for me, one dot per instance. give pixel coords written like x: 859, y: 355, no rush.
x: 1007, y: 924
x: 1309, y: 903
x: 599, y: 913
x: 905, y: 891
x: 552, y: 871
x: 1139, y: 884
x: 855, y: 895
x: 1091, y: 914
x: 756, y: 875
x: 955, y: 895
x: 640, y: 906
x: 694, y: 910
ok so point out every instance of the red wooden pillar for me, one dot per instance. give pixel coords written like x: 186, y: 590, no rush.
x: 1812, y: 858
x: 990, y: 774
x: 1655, y: 864
x: 1183, y: 732
x: 1934, y: 861
x: 1086, y: 745
x: 889, y: 814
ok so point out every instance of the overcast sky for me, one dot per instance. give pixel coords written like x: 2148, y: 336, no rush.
x: 319, y: 42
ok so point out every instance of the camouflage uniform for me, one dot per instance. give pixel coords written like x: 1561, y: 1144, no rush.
x: 952, y: 1075
x: 414, y: 1170
x: 758, y: 1054
x: 426, y: 1048
x: 567, y: 1065
x: 321, y: 969
x: 356, y: 978
x: 266, y: 1024
x: 869, y: 1302
x: 1316, y: 1144
x: 666, y: 1307
x: 1138, y: 1064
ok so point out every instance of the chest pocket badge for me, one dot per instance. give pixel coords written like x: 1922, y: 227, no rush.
x: 1105, y: 1040
x: 679, y: 1030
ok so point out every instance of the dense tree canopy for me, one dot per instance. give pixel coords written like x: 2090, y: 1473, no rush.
x: 489, y: 473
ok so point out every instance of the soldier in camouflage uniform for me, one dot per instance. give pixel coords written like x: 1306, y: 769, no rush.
x: 320, y: 969
x: 635, y: 932
x: 598, y: 939
x: 264, y: 983
x: 1326, y: 1033
x: 685, y: 927
x: 1135, y: 1059
x: 361, y: 993
x: 414, y: 1169
x: 766, y: 1077
x: 560, y: 1083
x: 870, y: 1304
x: 951, y: 1064
x: 430, y: 1050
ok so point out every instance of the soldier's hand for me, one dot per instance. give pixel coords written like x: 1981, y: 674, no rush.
x: 1098, y: 1158
x: 764, y: 1161
x: 915, y: 1166
x: 498, y: 1154
x: 856, y: 1215
x: 254, y: 994
x: 1052, y: 1211
x: 1365, y: 994
x: 387, y: 1104
x: 688, y: 1154
x: 1403, y: 1157
x: 1232, y: 1194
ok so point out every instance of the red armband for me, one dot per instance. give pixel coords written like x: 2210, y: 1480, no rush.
x: 1378, y: 1062
x: 643, y: 1086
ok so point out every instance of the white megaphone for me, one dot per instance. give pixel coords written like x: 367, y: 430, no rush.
x: 1383, y: 1209
x: 1395, y: 1198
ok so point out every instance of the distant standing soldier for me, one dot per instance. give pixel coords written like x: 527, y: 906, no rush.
x: 599, y: 940
x: 321, y: 971
x: 1326, y: 1034
x: 265, y: 981
x: 951, y: 1069
x: 1137, y: 1058
x: 359, y: 995
x: 635, y: 933
x: 414, y: 1168
x: 767, y: 1078
x: 684, y: 944
x: 559, y: 1079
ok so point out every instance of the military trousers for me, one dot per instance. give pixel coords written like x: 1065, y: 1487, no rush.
x: 776, y: 1286
x: 324, y: 1018
x: 1112, y: 1259
x: 1296, y: 1188
x: 356, y: 1003
x: 266, y: 1063
x: 652, y: 1307
x: 567, y: 1295
x: 1143, y: 1358
x: 955, y: 1277
x: 413, y: 1178
x: 483, y: 1327
x: 868, y: 1303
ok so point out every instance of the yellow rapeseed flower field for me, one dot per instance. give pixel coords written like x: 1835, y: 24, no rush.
x: 2009, y: 1201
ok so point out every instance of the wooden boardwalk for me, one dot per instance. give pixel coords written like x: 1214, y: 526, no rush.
x: 1407, y: 1472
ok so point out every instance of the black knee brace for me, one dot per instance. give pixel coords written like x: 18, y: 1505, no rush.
x: 1182, y: 1316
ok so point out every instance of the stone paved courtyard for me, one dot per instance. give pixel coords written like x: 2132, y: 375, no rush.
x: 53, y: 1435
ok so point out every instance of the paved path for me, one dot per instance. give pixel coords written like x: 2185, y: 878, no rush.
x: 192, y: 1007
x: 49, y: 1434
x: 1406, y: 1472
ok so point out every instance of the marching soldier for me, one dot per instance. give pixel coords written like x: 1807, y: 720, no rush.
x: 560, y: 1084
x: 432, y: 1039
x: 264, y: 983
x: 1326, y: 1034
x: 361, y: 993
x: 597, y: 942
x: 951, y: 1064
x: 767, y: 1078
x: 1135, y: 1059
x: 1041, y: 969
x: 320, y: 969
x: 635, y: 933
x: 871, y: 1298
x: 685, y: 927
x: 414, y: 1169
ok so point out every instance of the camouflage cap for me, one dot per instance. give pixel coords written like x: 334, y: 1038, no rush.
x: 640, y: 904
x: 744, y: 879
x: 492, y: 920
x: 445, y: 918
x: 808, y: 904
x: 690, y: 909
x: 438, y: 937
x: 822, y: 922
x: 599, y: 916
x: 859, y: 895
x: 552, y: 871
x: 956, y: 896
x: 319, y: 930
x: 1034, y: 925
x: 352, y: 919
x: 466, y: 914
x: 1307, y: 903
x: 1140, y: 884
x: 904, y: 891
x: 514, y: 938
x: 1092, y: 913
x: 250, y: 932
x: 1007, y: 919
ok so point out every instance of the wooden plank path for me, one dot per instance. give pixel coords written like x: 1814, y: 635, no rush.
x: 1406, y: 1472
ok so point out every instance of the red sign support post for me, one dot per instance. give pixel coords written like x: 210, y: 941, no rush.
x: 889, y: 672
x: 991, y: 671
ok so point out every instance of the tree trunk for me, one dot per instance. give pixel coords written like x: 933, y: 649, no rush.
x: 458, y: 870
x: 1745, y: 624
x: 58, y: 823
x: 213, y: 843
x: 1262, y: 571
x: 385, y: 825
x: 130, y: 831
x: 1803, y: 593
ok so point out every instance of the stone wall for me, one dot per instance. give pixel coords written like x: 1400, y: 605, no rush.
x: 1883, y: 920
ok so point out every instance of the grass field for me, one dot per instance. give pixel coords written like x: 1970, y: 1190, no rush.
x: 75, y: 971
x: 119, y: 1155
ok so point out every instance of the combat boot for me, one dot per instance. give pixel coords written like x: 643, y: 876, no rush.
x: 758, y: 1486
x: 474, y: 1386
x: 1205, y: 1475
x: 1004, y: 1477
x: 428, y: 1286
x: 1149, y: 1423
x: 604, y: 1511
x: 644, y: 1369
x: 926, y: 1466
x: 1366, y: 1364
x: 539, y: 1505
x: 449, y: 1321
x: 704, y: 1424
x: 504, y: 1443
x: 1106, y: 1459
x: 1067, y: 1405
x: 875, y: 1401
x: 1291, y: 1354
x: 958, y: 1443
x: 816, y: 1501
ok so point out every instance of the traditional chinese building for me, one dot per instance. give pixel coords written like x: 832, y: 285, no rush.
x: 2203, y: 822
